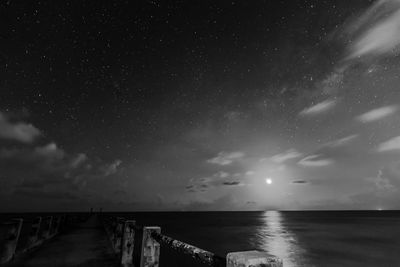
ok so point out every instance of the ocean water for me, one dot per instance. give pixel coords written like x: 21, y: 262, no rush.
x: 300, y: 238
x: 303, y: 238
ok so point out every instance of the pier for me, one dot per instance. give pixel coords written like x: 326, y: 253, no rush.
x: 101, y: 240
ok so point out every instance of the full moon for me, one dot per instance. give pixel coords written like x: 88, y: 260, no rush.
x: 268, y: 181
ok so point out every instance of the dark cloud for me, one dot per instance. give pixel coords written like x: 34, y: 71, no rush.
x: 231, y: 183
x: 299, y: 182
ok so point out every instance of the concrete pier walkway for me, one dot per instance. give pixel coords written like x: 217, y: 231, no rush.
x: 84, y: 246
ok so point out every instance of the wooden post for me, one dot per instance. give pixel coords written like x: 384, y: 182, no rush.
x: 35, y: 232
x: 150, y: 252
x: 128, y: 241
x: 9, y: 244
x: 252, y: 258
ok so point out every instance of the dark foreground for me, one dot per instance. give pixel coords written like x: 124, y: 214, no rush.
x: 300, y: 239
x: 84, y: 246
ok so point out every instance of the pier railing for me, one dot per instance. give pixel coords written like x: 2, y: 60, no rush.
x: 139, y: 246
x: 18, y: 236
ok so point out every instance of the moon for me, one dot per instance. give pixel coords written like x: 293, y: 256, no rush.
x: 268, y: 181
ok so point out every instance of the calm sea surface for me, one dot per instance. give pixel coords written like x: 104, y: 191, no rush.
x: 306, y: 238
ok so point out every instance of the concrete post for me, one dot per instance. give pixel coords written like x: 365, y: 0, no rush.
x: 58, y: 224
x: 111, y: 230
x: 62, y: 222
x: 35, y: 232
x: 150, y: 252
x: 11, y: 236
x: 118, y: 234
x: 252, y: 258
x: 48, y: 225
x: 128, y: 241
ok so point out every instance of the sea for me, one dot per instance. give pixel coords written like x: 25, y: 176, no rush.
x: 299, y: 238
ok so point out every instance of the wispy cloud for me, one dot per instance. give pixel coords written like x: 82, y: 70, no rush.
x: 225, y: 158
x: 19, y: 131
x: 389, y: 145
x: 78, y: 160
x: 377, y: 31
x: 111, y: 168
x: 342, y: 141
x: 332, y: 82
x: 287, y: 155
x: 377, y: 114
x: 382, y: 184
x: 215, y: 180
x: 315, y: 161
x: 319, y: 108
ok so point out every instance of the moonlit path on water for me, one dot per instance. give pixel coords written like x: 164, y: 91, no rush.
x: 277, y: 240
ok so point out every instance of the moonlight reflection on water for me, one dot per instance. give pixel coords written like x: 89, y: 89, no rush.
x: 277, y: 240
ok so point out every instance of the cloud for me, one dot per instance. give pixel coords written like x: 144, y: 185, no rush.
x: 19, y: 131
x: 287, y: 155
x: 319, y: 108
x: 232, y: 183
x: 342, y: 141
x: 389, y: 145
x: 249, y: 173
x: 382, y: 184
x: 331, y: 84
x: 377, y: 114
x: 215, y: 180
x: 299, y: 182
x: 223, y: 174
x: 43, y: 155
x: 377, y: 31
x: 225, y: 158
x: 315, y: 161
x: 111, y: 168
x: 78, y: 160
x: 50, y: 151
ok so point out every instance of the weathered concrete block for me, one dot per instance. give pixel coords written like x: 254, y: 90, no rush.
x: 11, y: 232
x: 150, y: 253
x: 128, y: 241
x: 252, y: 258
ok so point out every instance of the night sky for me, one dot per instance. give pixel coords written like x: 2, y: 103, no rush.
x: 199, y: 105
